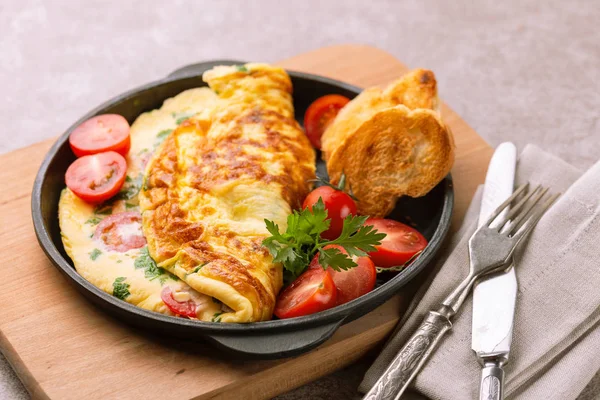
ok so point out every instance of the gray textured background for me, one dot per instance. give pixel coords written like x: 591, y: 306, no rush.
x: 520, y: 71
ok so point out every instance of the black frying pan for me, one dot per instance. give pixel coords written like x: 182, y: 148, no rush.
x: 270, y: 339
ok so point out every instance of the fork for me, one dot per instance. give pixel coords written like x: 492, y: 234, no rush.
x: 490, y: 248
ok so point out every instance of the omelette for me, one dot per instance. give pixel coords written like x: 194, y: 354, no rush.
x: 131, y: 275
x: 204, y: 171
x: 216, y: 179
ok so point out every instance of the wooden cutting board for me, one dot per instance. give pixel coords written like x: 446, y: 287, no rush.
x: 64, y: 348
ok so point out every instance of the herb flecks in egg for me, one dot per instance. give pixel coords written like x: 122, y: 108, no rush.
x: 131, y: 188
x: 180, y: 117
x: 198, y: 268
x: 151, y: 270
x: 94, y: 254
x: 161, y: 136
x: 93, y: 220
x: 103, y: 209
x: 120, y: 288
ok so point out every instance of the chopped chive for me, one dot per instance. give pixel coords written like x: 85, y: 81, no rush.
x: 120, y: 288
x: 94, y: 254
x: 198, y: 268
x: 93, y: 221
x: 217, y: 317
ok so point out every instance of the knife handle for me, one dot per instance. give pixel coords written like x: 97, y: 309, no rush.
x: 492, y: 382
x: 411, y: 358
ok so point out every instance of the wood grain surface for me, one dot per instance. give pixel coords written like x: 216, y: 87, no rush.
x: 62, y: 347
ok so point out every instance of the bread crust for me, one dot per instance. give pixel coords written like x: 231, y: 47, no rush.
x: 390, y: 143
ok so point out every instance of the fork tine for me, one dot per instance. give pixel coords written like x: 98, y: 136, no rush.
x: 534, y: 218
x: 506, y: 203
x: 514, y: 210
x: 517, y: 218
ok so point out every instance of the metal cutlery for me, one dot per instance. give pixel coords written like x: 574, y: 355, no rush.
x: 490, y: 248
x: 495, y: 296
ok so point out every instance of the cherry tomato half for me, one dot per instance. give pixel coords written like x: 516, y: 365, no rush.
x: 121, y: 232
x: 98, y: 177
x: 106, y: 132
x: 354, y: 282
x: 400, y: 244
x: 338, y: 205
x: 311, y: 292
x: 184, y: 309
x: 320, y: 114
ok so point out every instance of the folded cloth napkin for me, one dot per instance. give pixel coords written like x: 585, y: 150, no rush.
x: 556, y: 339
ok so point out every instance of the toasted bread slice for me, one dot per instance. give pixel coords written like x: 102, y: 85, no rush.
x: 396, y: 152
x: 416, y: 89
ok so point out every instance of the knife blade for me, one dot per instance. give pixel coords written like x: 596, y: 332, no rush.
x: 494, y: 297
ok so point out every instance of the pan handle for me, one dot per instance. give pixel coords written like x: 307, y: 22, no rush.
x: 200, y: 68
x: 276, y: 345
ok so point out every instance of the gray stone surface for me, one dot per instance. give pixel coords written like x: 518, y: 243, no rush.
x: 515, y: 70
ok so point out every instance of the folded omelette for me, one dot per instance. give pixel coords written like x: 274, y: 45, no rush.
x: 204, y: 172
x: 215, y: 180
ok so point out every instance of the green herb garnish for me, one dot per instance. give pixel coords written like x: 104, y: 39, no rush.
x: 198, y: 268
x: 180, y: 117
x: 103, y: 209
x: 93, y: 221
x: 162, y: 135
x: 94, y: 254
x: 241, y: 68
x: 296, y: 247
x: 131, y: 188
x: 129, y: 206
x: 216, y: 317
x: 120, y: 288
x: 151, y: 270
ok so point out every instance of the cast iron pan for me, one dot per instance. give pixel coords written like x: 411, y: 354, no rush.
x: 271, y: 339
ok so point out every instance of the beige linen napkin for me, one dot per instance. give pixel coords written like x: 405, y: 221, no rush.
x: 556, y: 339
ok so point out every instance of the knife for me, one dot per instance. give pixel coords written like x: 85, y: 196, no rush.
x: 494, y: 297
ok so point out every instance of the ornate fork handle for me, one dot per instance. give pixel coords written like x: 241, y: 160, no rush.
x: 412, y: 357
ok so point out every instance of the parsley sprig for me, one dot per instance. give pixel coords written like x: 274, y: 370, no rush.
x: 296, y: 247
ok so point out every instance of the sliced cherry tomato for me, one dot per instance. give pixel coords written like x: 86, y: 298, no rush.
x: 184, y: 309
x: 106, y: 132
x: 98, y: 177
x: 354, y: 282
x: 311, y: 292
x: 320, y: 114
x: 121, y: 232
x: 400, y: 244
x: 338, y: 205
